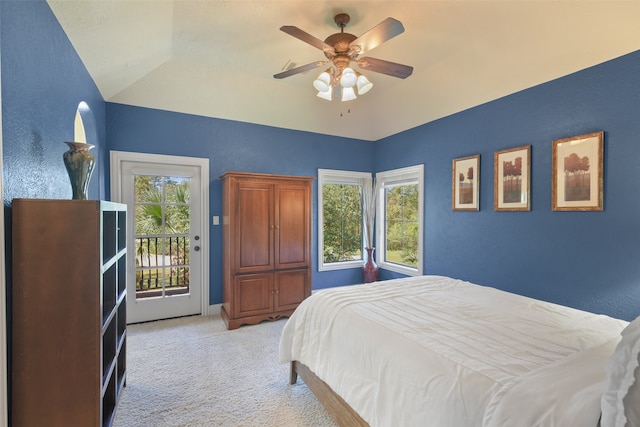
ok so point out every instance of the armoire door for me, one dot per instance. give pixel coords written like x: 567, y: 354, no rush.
x: 291, y: 287
x: 253, y: 294
x: 292, y: 230
x: 254, y: 226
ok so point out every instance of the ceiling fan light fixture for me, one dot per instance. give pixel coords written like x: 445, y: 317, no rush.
x: 323, y: 82
x: 348, y: 94
x: 363, y: 84
x: 349, y: 78
x: 325, y: 95
x: 341, y: 49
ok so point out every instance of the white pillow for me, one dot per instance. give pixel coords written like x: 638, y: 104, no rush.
x: 621, y: 398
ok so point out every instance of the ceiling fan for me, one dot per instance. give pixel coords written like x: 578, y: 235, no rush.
x: 341, y: 49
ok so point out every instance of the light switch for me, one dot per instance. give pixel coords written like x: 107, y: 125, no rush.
x: 216, y: 220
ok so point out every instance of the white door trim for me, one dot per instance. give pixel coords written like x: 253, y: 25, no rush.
x: 116, y: 160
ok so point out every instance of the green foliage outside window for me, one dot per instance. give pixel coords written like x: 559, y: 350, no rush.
x: 162, y: 226
x: 342, y: 228
x: 149, y: 202
x: 401, y: 222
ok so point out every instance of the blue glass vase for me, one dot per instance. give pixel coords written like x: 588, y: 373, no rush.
x: 79, y: 163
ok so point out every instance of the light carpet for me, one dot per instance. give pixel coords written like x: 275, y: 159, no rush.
x: 193, y: 372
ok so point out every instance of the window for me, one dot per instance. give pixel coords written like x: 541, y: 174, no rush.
x: 339, y: 219
x: 399, y: 220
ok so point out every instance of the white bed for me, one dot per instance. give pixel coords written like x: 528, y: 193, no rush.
x: 436, y: 351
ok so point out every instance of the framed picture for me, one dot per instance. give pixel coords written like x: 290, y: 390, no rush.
x: 577, y: 168
x: 465, y: 182
x: 512, y: 179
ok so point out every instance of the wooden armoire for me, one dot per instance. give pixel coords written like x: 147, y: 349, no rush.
x: 266, y: 246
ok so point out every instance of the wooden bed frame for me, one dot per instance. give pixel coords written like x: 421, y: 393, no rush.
x: 340, y: 411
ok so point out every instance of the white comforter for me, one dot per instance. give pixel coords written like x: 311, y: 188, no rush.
x: 435, y: 351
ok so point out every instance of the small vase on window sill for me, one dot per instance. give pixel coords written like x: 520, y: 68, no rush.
x: 370, y: 270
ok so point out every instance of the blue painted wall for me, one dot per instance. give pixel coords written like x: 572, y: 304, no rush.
x: 588, y: 260
x: 240, y: 147
x: 583, y: 259
x: 43, y: 81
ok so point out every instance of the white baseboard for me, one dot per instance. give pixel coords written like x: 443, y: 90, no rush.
x: 213, y: 310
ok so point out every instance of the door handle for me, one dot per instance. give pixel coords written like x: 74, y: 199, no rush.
x: 196, y: 248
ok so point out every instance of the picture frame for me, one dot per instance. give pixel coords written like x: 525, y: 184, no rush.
x: 512, y: 179
x: 465, y: 183
x: 577, y: 173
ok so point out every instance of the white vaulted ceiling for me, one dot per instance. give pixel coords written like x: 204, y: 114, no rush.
x: 217, y: 58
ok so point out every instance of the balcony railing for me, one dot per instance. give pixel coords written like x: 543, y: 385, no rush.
x: 162, y: 266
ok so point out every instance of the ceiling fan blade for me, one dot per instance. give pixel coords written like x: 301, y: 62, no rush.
x: 308, y: 38
x: 386, y: 30
x: 300, y: 69
x: 385, y: 67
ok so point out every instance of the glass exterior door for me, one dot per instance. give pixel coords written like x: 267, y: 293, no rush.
x: 164, y: 277
x: 162, y: 245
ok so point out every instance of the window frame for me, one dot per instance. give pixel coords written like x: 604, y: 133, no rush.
x: 335, y: 176
x: 400, y: 176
